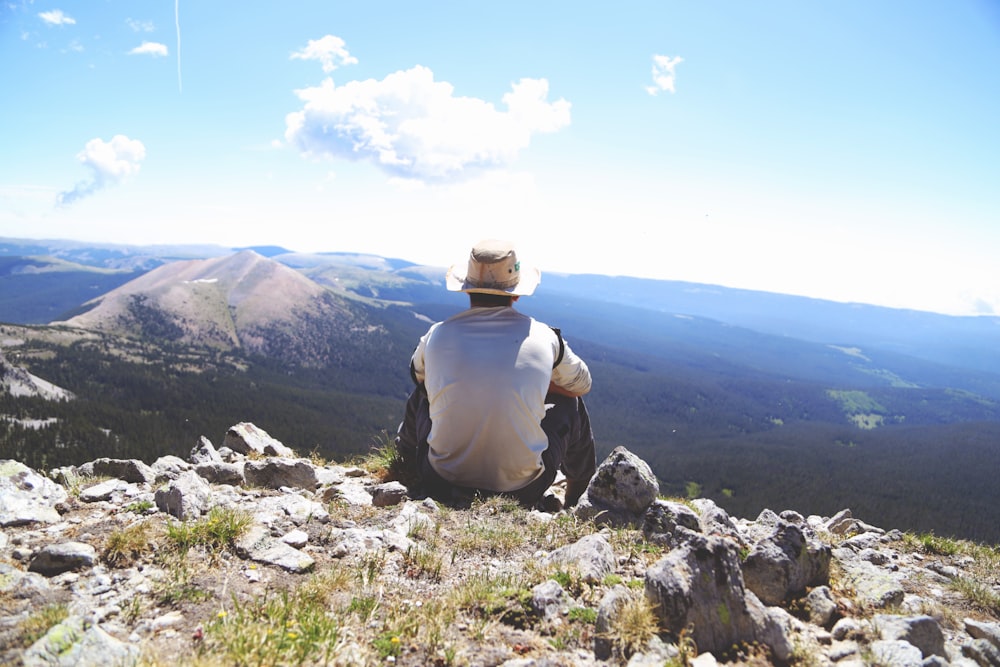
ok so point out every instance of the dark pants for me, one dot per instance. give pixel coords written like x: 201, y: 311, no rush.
x: 571, y: 449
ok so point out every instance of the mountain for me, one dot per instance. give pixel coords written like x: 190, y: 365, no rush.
x: 760, y: 400
x: 242, y: 301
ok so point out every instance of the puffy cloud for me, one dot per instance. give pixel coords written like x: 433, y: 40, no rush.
x: 56, y: 17
x: 663, y: 74
x: 154, y: 49
x: 111, y: 162
x: 331, y: 51
x: 411, y: 126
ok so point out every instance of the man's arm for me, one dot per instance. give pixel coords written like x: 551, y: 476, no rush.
x: 556, y: 389
x: 570, y: 377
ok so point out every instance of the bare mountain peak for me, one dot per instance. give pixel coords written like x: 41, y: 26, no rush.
x: 241, y: 300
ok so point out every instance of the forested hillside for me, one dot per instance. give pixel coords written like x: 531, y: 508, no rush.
x: 749, y: 418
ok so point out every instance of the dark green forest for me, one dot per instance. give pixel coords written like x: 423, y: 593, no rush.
x: 746, y: 441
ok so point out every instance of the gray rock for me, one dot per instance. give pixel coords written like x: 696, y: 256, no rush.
x: 623, y: 482
x: 130, y: 470
x: 700, y: 587
x: 607, y: 612
x: 783, y: 565
x: 187, y: 497
x: 981, y: 630
x: 102, y: 491
x: 245, y: 438
x: 74, y: 643
x: 220, y: 472
x: 204, y: 452
x: 897, y: 653
x: 591, y: 556
x: 274, y: 473
x: 258, y: 545
x: 169, y: 467
x: 920, y: 631
x: 983, y: 652
x: 548, y: 599
x: 26, y: 496
x: 663, y: 518
x: 875, y: 586
x: 388, y: 494
x: 821, y: 606
x: 716, y: 521
x: 55, y: 559
x: 289, y: 507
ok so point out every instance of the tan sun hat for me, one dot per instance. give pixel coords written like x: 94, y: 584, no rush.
x: 493, y: 269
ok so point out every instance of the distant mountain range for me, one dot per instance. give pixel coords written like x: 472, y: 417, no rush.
x: 723, y: 388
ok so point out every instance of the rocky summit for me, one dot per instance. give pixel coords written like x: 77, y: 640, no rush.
x: 247, y: 554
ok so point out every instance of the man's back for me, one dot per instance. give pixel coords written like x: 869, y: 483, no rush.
x: 487, y: 371
x: 497, y: 405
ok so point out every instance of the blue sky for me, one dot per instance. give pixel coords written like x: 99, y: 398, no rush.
x: 842, y: 150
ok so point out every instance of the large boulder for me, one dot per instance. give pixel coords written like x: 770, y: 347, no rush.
x: 619, y: 493
x: 698, y: 588
x: 26, y: 496
x: 783, y: 565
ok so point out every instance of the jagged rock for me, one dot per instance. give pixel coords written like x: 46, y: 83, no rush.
x: 983, y: 652
x: 716, y: 521
x: 619, y: 493
x: 55, y: 559
x: 27, y: 497
x: 74, y: 643
x: 129, y: 470
x: 981, y: 630
x: 245, y: 438
x: 17, y: 583
x: 204, y: 452
x: 607, y: 611
x: 388, y: 494
x: 665, y: 522
x: 187, y: 497
x: 291, y: 507
x: 296, y: 538
x: 875, y: 586
x: 700, y: 586
x: 781, y: 566
x: 821, y: 606
x: 220, y: 472
x: 258, y: 545
x: 102, y: 491
x: 920, y: 631
x: 896, y: 652
x: 169, y: 467
x: 591, y: 556
x: 548, y: 599
x: 274, y: 473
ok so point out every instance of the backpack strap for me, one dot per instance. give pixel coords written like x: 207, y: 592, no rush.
x: 562, y: 346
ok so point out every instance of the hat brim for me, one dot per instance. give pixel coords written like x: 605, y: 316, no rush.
x: 455, y: 280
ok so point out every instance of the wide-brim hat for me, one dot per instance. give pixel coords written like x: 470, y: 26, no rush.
x: 493, y: 268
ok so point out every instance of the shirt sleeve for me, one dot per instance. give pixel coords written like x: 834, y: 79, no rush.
x: 417, y: 367
x: 572, y: 373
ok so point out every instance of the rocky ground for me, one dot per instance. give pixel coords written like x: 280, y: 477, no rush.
x: 250, y: 555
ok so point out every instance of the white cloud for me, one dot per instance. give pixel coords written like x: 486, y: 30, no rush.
x: 331, y: 51
x: 139, y: 26
x: 663, y: 74
x: 56, y: 17
x: 154, y: 49
x: 111, y: 162
x: 411, y: 126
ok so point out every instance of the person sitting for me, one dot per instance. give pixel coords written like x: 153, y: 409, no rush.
x: 497, y: 405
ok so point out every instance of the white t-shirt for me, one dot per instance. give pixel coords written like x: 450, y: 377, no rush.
x: 487, y: 371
